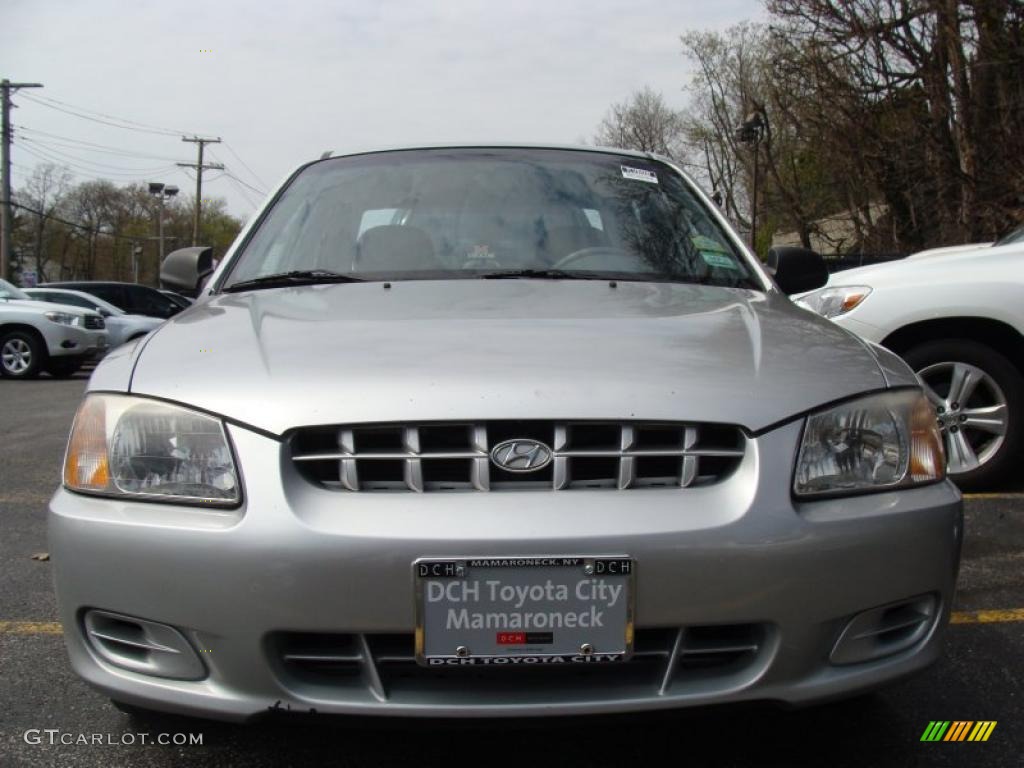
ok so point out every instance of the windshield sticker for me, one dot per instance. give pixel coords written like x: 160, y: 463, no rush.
x: 639, y: 174
x: 704, y: 243
x: 717, y: 259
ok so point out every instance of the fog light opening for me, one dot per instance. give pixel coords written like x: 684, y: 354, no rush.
x: 886, y: 630
x: 142, y: 646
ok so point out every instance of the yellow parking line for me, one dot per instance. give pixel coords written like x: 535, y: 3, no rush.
x: 1005, y: 616
x: 988, y: 617
x: 994, y: 495
x: 30, y: 628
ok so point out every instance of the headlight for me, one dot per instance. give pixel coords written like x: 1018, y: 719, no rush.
x: 63, y: 318
x: 833, y: 302
x: 874, y: 443
x: 145, y: 449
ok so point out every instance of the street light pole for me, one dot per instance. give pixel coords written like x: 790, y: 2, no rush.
x: 753, y: 205
x: 752, y: 132
x: 160, y: 228
x: 161, y: 191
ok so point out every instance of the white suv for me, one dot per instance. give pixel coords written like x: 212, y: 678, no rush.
x: 121, y: 326
x: 37, y: 336
x: 957, y: 317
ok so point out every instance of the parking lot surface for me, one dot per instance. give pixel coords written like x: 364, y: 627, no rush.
x: 49, y: 717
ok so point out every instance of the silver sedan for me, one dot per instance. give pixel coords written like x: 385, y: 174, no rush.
x: 499, y: 431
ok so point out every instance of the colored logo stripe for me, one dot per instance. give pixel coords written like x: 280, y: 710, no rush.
x: 935, y: 730
x: 958, y: 730
x: 982, y: 730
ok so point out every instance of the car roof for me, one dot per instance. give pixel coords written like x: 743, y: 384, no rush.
x: 54, y: 288
x: 330, y: 154
x: 59, y: 283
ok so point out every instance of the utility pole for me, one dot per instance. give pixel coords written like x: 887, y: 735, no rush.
x: 5, y: 161
x: 199, y: 168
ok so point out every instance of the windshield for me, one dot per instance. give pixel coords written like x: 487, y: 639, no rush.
x: 8, y: 291
x: 1014, y: 236
x: 466, y: 213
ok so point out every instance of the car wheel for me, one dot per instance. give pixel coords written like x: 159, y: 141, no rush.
x: 62, y: 369
x: 20, y: 355
x: 979, y: 397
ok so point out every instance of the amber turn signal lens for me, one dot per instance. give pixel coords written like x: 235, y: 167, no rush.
x: 85, y: 466
x: 927, y: 456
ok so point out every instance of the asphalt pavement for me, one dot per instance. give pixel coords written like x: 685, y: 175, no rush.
x: 49, y: 717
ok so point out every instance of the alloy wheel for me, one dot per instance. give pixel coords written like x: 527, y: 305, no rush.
x: 972, y: 413
x: 16, y: 356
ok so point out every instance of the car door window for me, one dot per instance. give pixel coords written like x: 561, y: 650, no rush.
x: 67, y: 298
x: 109, y: 293
x: 153, y: 303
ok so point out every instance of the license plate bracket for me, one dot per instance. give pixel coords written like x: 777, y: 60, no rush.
x: 524, y: 610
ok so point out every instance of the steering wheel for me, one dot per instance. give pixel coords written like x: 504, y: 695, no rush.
x: 597, y: 250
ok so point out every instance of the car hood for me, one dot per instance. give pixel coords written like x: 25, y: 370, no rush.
x: 52, y: 306
x: 966, y: 248
x: 523, y: 349
x: 950, y: 263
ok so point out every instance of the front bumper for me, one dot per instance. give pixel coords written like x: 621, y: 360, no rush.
x: 66, y: 341
x: 297, y: 559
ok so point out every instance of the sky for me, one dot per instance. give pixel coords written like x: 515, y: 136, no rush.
x: 283, y: 83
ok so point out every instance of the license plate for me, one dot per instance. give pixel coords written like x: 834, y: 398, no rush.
x: 524, y: 610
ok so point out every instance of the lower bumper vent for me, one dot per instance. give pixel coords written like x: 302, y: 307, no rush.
x: 885, y: 630
x: 664, y: 661
x: 142, y: 646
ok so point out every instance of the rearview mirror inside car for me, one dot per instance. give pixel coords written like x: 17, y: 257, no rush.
x: 797, y: 270
x: 186, y: 270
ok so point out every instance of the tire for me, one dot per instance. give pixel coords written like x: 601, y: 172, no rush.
x: 981, y: 445
x: 21, y: 355
x: 63, y: 369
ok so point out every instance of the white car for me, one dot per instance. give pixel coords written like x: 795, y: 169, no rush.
x: 957, y: 317
x: 37, y: 336
x: 121, y: 325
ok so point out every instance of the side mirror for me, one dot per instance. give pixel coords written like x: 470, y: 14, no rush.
x: 105, y: 312
x: 187, y: 269
x: 797, y: 270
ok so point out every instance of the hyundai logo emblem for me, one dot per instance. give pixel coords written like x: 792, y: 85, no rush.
x: 521, y: 455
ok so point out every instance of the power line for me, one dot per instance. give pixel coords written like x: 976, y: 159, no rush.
x: 89, y: 173
x: 79, y: 112
x: 76, y: 225
x: 241, y: 191
x: 89, y: 146
x: 250, y: 186
x: 245, y: 165
x: 55, y: 156
x: 54, y: 150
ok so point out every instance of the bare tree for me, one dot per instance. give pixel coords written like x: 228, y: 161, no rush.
x: 43, y: 193
x: 644, y: 123
x: 735, y: 80
x: 927, y: 98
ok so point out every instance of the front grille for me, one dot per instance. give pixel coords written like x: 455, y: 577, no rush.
x: 456, y: 456
x: 664, y: 661
x: 94, y: 322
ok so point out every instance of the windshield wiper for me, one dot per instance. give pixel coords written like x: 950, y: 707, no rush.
x: 546, y: 274
x: 294, y: 277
